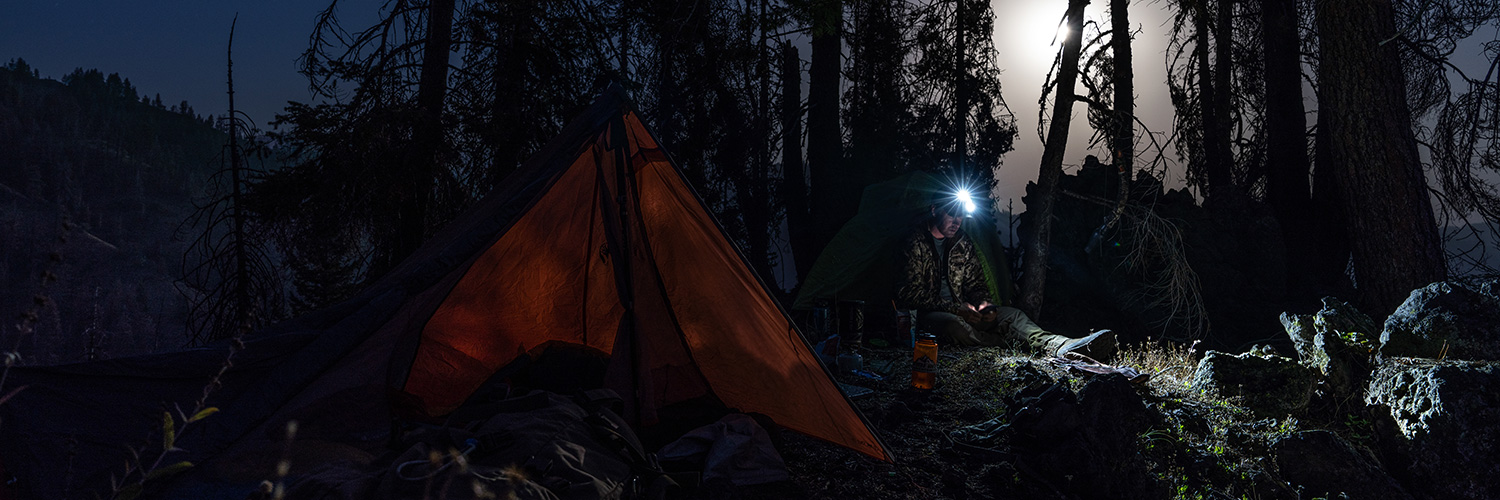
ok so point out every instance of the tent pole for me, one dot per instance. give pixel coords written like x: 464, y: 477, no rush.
x: 627, y: 287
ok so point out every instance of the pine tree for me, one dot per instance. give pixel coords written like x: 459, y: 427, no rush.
x: 1395, y: 241
x: 1034, y: 263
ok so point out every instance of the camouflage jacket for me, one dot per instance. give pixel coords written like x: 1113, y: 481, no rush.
x: 920, y: 285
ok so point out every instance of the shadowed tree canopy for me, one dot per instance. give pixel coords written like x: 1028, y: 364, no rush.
x: 395, y: 141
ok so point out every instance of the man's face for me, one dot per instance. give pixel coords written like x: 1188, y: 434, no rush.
x: 948, y: 225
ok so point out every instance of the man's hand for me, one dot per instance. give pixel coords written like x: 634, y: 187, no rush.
x: 982, y: 315
x: 988, y: 312
x: 970, y: 314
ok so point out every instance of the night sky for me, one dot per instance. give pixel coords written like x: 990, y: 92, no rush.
x: 176, y: 48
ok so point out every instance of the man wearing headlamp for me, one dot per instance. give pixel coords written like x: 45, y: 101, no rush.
x: 943, y: 279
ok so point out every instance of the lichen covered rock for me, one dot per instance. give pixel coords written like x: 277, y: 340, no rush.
x: 1336, y: 344
x: 1439, y: 430
x: 1339, y: 317
x: 1445, y: 320
x: 1270, y: 385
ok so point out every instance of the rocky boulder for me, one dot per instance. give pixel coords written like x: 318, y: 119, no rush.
x: 1082, y: 444
x: 1340, y: 317
x: 1445, y: 320
x: 1438, y: 425
x: 1271, y: 386
x: 1489, y: 287
x: 1336, y: 344
x: 1322, y: 464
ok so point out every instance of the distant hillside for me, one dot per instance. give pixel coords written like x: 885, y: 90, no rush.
x: 124, y: 168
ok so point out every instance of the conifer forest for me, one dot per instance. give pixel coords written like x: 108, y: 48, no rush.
x: 1215, y: 181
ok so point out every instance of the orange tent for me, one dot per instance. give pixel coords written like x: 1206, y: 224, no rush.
x: 615, y: 251
x: 597, y: 241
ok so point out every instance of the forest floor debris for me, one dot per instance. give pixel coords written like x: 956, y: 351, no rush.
x: 1197, y: 445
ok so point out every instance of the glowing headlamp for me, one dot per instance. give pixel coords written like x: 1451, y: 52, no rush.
x: 963, y: 198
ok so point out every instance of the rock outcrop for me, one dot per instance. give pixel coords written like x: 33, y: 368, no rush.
x: 1433, y: 394
x: 1438, y: 425
x: 1335, y: 343
x: 1445, y: 320
x: 1082, y: 444
x: 1270, y: 385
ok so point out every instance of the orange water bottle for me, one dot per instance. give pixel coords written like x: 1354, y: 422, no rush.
x: 924, y: 365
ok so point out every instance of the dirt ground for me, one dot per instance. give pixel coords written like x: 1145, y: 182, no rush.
x: 1195, y: 447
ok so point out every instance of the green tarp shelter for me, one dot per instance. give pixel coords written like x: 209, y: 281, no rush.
x: 860, y: 263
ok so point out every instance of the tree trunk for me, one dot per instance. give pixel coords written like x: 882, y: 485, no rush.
x: 1287, y: 181
x: 1215, y: 167
x: 756, y: 208
x: 427, y: 135
x: 1223, y: 90
x: 1034, y: 262
x: 514, y: 36
x: 244, y: 296
x: 623, y: 25
x: 1395, y: 241
x: 666, y: 93
x: 1331, y: 230
x: 960, y: 92
x: 1122, y: 139
x: 793, y: 175
x: 830, y: 204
